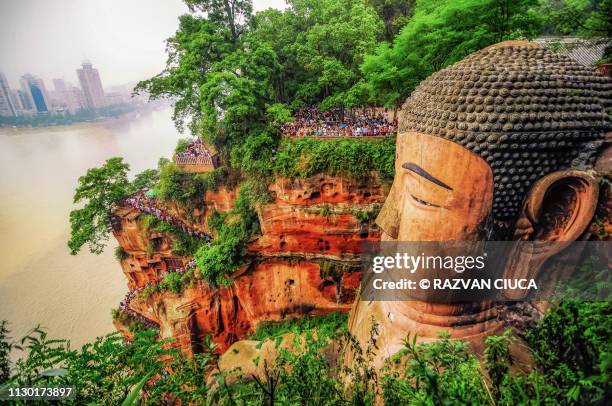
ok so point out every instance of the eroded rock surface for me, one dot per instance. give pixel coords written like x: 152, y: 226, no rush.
x: 306, y: 262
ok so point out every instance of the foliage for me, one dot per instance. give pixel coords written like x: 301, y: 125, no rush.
x: 184, y: 379
x: 394, y: 13
x: 97, y: 190
x: 120, y: 253
x: 147, y: 178
x: 108, y: 370
x: 183, y: 244
x: 328, y: 325
x: 572, y: 347
x: 440, y: 33
x: 305, y: 375
x: 255, y: 155
x: 338, y: 35
x: 498, y: 359
x: 583, y: 18
x: 441, y: 372
x: 226, y: 253
x: 183, y: 187
x: 196, y: 46
x: 367, y: 216
x: 181, y: 145
x: 5, y: 349
x: 355, y: 158
x: 103, y: 371
x: 133, y: 325
x: 233, y: 14
x: 172, y: 282
x: 232, y: 75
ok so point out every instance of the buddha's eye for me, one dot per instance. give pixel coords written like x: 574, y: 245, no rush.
x: 423, y: 202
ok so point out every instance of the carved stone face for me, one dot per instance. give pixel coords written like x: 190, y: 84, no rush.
x: 441, y: 192
x: 503, y: 137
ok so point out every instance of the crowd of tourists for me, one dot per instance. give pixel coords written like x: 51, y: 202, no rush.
x: 369, y: 122
x: 125, y: 306
x: 195, y: 153
x: 141, y: 202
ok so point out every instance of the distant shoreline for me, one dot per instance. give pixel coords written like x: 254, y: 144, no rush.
x: 16, y: 130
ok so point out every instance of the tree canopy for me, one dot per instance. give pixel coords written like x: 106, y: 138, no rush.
x: 97, y: 190
x: 440, y: 33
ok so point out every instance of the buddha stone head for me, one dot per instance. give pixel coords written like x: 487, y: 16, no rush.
x: 475, y: 137
x: 495, y: 147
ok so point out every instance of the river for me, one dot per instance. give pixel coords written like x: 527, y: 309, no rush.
x: 40, y: 282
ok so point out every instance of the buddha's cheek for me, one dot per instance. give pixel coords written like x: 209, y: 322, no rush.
x: 437, y: 225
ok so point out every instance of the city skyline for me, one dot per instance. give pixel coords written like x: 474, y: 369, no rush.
x: 126, y: 40
x: 32, y: 96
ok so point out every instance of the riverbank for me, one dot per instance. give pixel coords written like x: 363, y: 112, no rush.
x: 126, y: 116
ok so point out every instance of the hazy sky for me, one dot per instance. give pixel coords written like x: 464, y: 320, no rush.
x: 124, y: 39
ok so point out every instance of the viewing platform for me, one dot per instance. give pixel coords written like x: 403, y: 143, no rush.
x: 197, y: 158
x: 367, y: 122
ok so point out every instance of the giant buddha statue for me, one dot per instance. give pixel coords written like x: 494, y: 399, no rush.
x: 496, y: 147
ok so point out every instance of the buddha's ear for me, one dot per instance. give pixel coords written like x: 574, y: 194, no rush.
x: 388, y: 219
x: 559, y: 207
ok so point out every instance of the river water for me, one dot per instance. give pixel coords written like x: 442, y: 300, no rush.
x: 40, y: 282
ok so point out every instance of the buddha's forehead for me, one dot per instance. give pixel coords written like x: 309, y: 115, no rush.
x: 524, y: 110
x: 447, y: 162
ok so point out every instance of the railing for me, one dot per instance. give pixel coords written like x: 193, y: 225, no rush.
x: 189, y: 160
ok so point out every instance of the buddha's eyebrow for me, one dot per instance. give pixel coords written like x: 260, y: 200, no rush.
x: 422, y: 172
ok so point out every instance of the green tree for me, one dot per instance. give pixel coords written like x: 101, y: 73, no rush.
x: 233, y: 14
x: 97, y: 191
x: 440, y: 33
x: 394, y: 13
x: 192, y: 51
x: 146, y: 178
x: 591, y: 19
x: 339, y: 34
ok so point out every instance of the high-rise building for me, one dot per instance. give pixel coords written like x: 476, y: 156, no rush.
x: 60, y: 85
x: 24, y: 101
x: 35, y: 93
x: 74, y: 99
x: 91, y: 85
x: 7, y: 108
x: 16, y: 99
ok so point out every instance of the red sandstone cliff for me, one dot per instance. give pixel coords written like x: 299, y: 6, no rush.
x: 305, y: 261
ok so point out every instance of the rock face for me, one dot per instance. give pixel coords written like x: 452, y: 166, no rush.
x: 305, y: 262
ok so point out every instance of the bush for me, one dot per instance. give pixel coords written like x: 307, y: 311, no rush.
x: 437, y: 373
x: 133, y: 325
x: 186, y: 188
x: 355, y: 158
x: 183, y: 244
x: 326, y: 326
x: 181, y: 145
x: 147, y: 178
x: 572, y: 345
x: 104, y: 372
x: 5, y: 349
x: 121, y: 254
x: 227, y: 251
x: 178, y: 185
